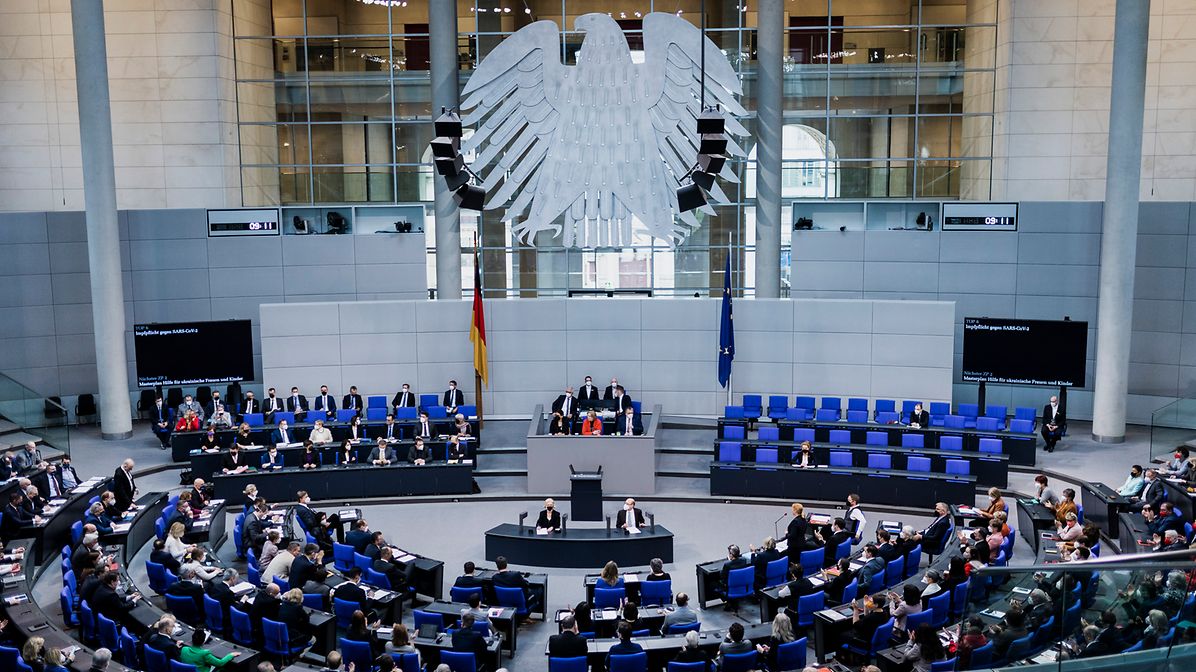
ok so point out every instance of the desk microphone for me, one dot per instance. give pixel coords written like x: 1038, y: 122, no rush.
x: 522, y: 516
x: 564, y: 523
x: 775, y: 530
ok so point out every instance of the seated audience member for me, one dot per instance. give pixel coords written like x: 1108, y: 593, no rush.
x: 351, y: 591
x: 221, y: 418
x: 924, y: 648
x: 691, y: 652
x: 830, y: 545
x: 1054, y: 423
x: 320, y: 434
x: 269, y: 549
x: 1004, y: 634
x: 919, y: 418
x: 400, y: 642
x: 161, y: 637
x: 1066, y: 505
x: 631, y: 616
x: 359, y: 537
x: 188, y: 585
x: 550, y: 518
x: 588, y: 393
x: 282, y: 435
x: 836, y: 581
x: 804, y: 456
x: 735, y: 560
x: 766, y: 553
x: 782, y: 633
x: 735, y: 643
x: 873, y: 565
x: 382, y: 454
x: 243, y: 438
x: 973, y: 638
x: 110, y: 604
x: 935, y: 535
x: 161, y: 421
x: 423, y: 428
x: 466, y: 638
x: 272, y: 460
x: 592, y: 425
x: 190, y: 404
x: 1133, y: 483
x: 933, y: 580
x: 209, y: 443
x: 866, y: 618
x: 96, y: 516
x: 681, y: 615
x: 271, y: 405
x: 1178, y: 463
x: 557, y: 426
x: 900, y: 606
x: 1153, y: 493
x: 566, y: 405
x: 626, y: 646
x: 202, y: 658
x: 323, y: 406
x: 311, y: 456
x: 419, y: 453
x: 346, y: 454
x: 460, y: 426
x: 656, y: 568
x: 1043, y: 492
x: 292, y: 613
x: 249, y: 405
x: 188, y: 422
x: 455, y: 450
x: 398, y: 574
x: 161, y: 556
x: 996, y: 503
x: 468, y: 579
x: 629, y: 424
x: 404, y: 398
x: 452, y: 398
x: 507, y: 578
x: 356, y: 431
x: 568, y: 644
x: 297, y: 404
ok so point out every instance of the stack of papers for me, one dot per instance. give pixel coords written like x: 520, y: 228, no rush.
x: 494, y: 612
x: 242, y: 588
x: 14, y: 600
x: 121, y: 527
x: 631, y: 578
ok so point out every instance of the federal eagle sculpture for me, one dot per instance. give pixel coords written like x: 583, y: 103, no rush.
x: 581, y: 150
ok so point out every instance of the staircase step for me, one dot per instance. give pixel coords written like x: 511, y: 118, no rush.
x: 17, y: 439
x: 7, y: 426
x: 686, y: 450
x: 491, y: 473
x: 511, y: 450
x: 502, y: 462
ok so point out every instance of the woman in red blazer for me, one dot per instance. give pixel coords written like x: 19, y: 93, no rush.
x: 188, y: 423
x: 592, y: 425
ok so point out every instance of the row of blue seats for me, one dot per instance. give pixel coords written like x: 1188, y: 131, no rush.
x: 732, y: 451
x: 831, y: 409
x: 842, y: 437
x: 372, y: 413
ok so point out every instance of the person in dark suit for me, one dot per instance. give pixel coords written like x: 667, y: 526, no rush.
x: 210, y: 410
x: 419, y: 453
x: 188, y: 586
x: 199, y: 498
x: 304, y: 512
x: 351, y: 591
x: 49, y: 482
x: 1152, y: 490
x: 636, y: 518
x: 587, y: 393
x: 352, y: 400
x: 161, y: 638
x: 291, y: 612
x: 424, y: 428
x: 453, y: 398
x: 265, y: 605
x: 610, y: 391
x: 124, y: 486
x: 253, y: 528
x: 830, y: 545
x: 160, y: 555
x: 397, y: 573
x: 873, y: 565
x: 885, y: 547
x: 325, y: 403
x: 359, y: 536
x: 222, y: 590
x: 111, y: 605
x: 272, y: 405
x: 96, y: 516
x: 162, y: 421
x: 629, y: 423
x: 835, y: 584
x: 735, y: 560
x: 550, y: 518
x: 559, y: 426
x: 1013, y: 628
x: 404, y: 398
x: 505, y: 578
x: 181, y: 515
x: 796, y: 533
x: 15, y: 517
x: 568, y: 644
x: 468, y: 580
x: 282, y: 435
x: 307, y: 570
x: 625, y: 645
x: 933, y: 536
x: 1054, y: 423
x: 919, y: 418
x: 866, y: 620
x: 467, y: 639
x: 297, y: 404
x: 622, y: 400
x: 762, y: 556
x: 249, y: 405
x: 566, y: 405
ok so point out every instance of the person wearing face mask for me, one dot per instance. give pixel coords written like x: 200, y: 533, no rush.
x: 272, y: 460
x: 630, y: 518
x: 404, y: 398
x: 621, y: 400
x: 453, y: 398
x: 629, y: 424
x: 557, y: 426
x: 1179, y: 461
x: 1133, y: 483
x: 805, y: 456
x: 550, y: 518
x: 587, y: 394
x: 282, y: 435
x: 566, y: 405
x: 1152, y: 490
x: 995, y: 503
x: 234, y: 462
x: 209, y: 444
x: 271, y: 406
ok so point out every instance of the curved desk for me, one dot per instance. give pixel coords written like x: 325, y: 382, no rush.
x: 891, y: 487
x: 350, y: 482
x: 585, y: 547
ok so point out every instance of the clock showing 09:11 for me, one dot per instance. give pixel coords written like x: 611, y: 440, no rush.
x: 233, y: 222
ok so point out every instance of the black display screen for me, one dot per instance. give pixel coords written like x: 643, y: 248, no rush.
x: 1024, y: 352
x: 193, y: 353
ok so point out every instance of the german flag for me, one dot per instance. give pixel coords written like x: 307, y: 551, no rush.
x: 477, y: 330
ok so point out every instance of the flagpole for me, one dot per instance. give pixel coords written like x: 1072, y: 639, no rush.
x: 477, y: 377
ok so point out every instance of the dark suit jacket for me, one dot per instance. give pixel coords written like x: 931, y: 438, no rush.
x: 729, y: 565
x: 264, y: 606
x: 113, y: 606
x: 760, y: 560
x: 637, y: 517
x: 468, y: 639
x: 303, y: 570
x: 510, y: 579
x: 1153, y: 494
x: 176, y: 517
x: 164, y: 558
x: 1060, y: 417
x: 189, y: 589
x: 318, y: 404
x: 608, y: 393
x: 358, y: 539
x: 419, y: 430
x: 302, y: 404
x: 566, y: 645
x: 420, y: 453
x: 559, y: 405
x: 42, y: 481
x: 307, y: 518
x: 453, y: 398
x: 588, y: 395
x: 272, y: 405
x: 923, y: 419
x: 624, y: 403
x: 198, y: 500
x: 547, y: 521
x: 276, y: 436
x: 932, y: 536
x: 255, y: 531
x: 351, y: 592
x: 400, y: 402
x: 14, y: 518
x: 637, y: 427
x: 122, y: 487
x: 465, y: 581
x: 164, y: 414
x: 251, y: 406
x: 353, y: 402
x: 210, y: 409
x: 164, y: 644
x: 297, y: 620
x: 218, y: 590
x: 888, y: 551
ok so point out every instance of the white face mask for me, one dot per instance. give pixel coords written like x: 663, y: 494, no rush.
x: 626, y: 507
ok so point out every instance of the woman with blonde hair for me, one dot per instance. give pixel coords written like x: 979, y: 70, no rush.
x: 610, y: 575
x: 34, y: 652
x: 782, y: 633
x: 174, y: 541
x: 796, y: 533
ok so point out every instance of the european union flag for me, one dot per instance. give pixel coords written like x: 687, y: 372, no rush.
x: 726, y: 334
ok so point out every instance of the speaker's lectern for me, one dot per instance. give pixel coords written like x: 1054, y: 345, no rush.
x: 586, y: 495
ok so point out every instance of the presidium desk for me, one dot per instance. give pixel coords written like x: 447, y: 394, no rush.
x: 628, y: 462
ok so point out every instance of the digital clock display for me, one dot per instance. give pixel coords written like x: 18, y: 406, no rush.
x: 980, y: 216
x: 257, y: 222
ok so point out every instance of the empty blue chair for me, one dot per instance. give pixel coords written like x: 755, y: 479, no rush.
x: 983, y: 656
x: 343, y: 609
x: 733, y: 432
x: 682, y: 629
x: 406, y: 661
x: 770, y: 434
x: 960, y: 467
x: 376, y: 579
x: 423, y: 618
x: 157, y: 577
x: 885, y: 406
x: 938, y: 412
x: 1026, y: 413
x: 912, y: 560
x: 428, y: 400
x: 376, y: 401
x: 87, y: 620
x: 850, y: 591
x: 674, y: 666
x: 840, y: 437
x: 739, y: 662
x: 996, y: 411
x: 911, y: 440
x: 471, y: 410
x: 252, y: 574
x: 461, y: 594
x: 277, y: 639
x: 880, y: 461
x: 183, y: 607
x: 1021, y: 426
x: 283, y: 584
x: 894, y: 571
x: 655, y: 593
x: 254, y: 419
x: 1019, y: 649
x: 854, y: 415
x: 106, y: 631
x: 915, y: 463
x: 792, y: 655
x: 314, y: 601
x: 778, y: 406
x: 805, y: 403
x: 241, y: 627
x: 766, y: 455
x: 832, y: 404
x: 628, y: 662
x: 128, y: 649
x: 968, y: 411
x: 362, y: 562
x: 776, y: 572
x: 941, y: 606
x: 807, y: 605
x: 811, y: 561
x: 577, y: 664
x: 753, y: 406
x: 959, y: 599
x: 289, y: 416
x: 877, y: 583
x: 609, y: 597
x: 179, y: 666
x: 987, y: 424
x: 880, y: 640
x: 238, y: 541
x: 806, y: 434
x: 374, y: 414
x: 76, y: 532
x: 991, y: 446
x: 213, y: 614
x: 436, y: 412
x: 912, y: 621
x: 954, y: 422
x: 459, y: 661
x: 844, y: 550
x: 857, y: 404
x: 740, y: 583
x: 950, y: 443
x: 66, y: 601
x: 155, y: 660
x: 342, y: 556
x: 733, y: 412
x: 405, y: 413
x: 943, y: 665
x: 356, y: 653
x: 876, y: 438
x: 827, y: 415
x: 730, y: 451
x: 160, y: 528
x: 887, y: 417
x: 840, y: 458
x: 345, y: 414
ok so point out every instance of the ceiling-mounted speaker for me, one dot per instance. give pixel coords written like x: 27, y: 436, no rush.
x: 690, y: 197
x: 448, y: 124
x: 470, y: 197
x: 711, y: 122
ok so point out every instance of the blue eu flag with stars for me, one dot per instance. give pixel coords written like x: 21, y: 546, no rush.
x: 726, y: 334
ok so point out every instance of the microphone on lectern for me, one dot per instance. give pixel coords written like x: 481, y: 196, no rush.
x: 522, y: 516
x: 775, y: 529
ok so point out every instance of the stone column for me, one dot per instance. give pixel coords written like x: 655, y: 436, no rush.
x: 442, y: 38
x: 103, y: 233
x: 770, y: 43
x: 1119, y: 226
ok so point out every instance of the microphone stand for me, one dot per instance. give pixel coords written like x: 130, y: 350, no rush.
x: 775, y: 529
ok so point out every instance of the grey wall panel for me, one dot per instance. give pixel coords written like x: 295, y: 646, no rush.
x: 901, y: 296
x: 832, y: 316
x: 843, y: 380
x: 763, y: 346
x: 325, y: 279
x: 159, y: 224
x: 1162, y: 250
x: 1157, y: 315
x: 444, y: 346
x: 912, y: 317
x: 518, y: 316
x: 433, y: 377
x: 388, y: 249
x: 166, y: 253
x: 603, y: 343
x: 285, y: 320
x: 977, y: 278
x: 316, y: 297
x: 243, y: 252
x: 896, y: 382
x: 842, y: 276
x: 24, y: 259
x: 167, y: 285
x: 978, y: 246
x: 1161, y: 217
x: 377, y: 348
x: 317, y: 250
x: 384, y: 379
x: 42, y: 379
x: 17, y: 352
x: 64, y: 227
x: 26, y: 321
x: 681, y: 346
x: 70, y: 257
x: 1159, y: 283
x: 368, y: 317
x: 623, y: 314
x: 901, y: 246
x: 1060, y: 216
x: 762, y: 315
x: 505, y: 346
x: 23, y: 227
x: 372, y: 278
x: 670, y: 376
x: 880, y: 276
x: 26, y: 290
x: 76, y: 319
x: 295, y: 351
x: 71, y: 287
x: 537, y: 375
x: 1059, y: 248
x: 307, y: 378
x: 1156, y: 379
x: 691, y: 403
x: 244, y: 282
x: 442, y: 315
x: 827, y: 348
x: 980, y: 305
x: 828, y: 245
x: 1155, y: 347
x: 1050, y: 280
x: 759, y: 378
x: 909, y: 350
x: 77, y: 379
x: 1056, y: 308
x: 689, y: 314
x: 73, y: 349
x: 178, y: 310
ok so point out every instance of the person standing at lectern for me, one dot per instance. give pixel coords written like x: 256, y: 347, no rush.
x: 588, y: 393
x: 1054, y: 423
x: 566, y: 405
x: 629, y: 424
x: 550, y: 518
x: 630, y: 518
x: 453, y: 398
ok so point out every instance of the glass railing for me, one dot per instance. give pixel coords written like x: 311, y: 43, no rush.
x: 35, y: 414
x: 1134, y: 612
x: 1171, y: 426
